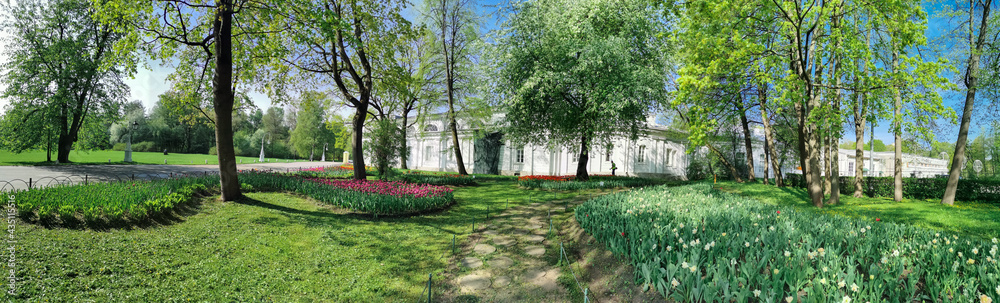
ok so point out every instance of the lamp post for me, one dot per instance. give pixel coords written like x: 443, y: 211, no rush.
x: 262, y: 146
x: 128, y: 144
x: 323, y: 158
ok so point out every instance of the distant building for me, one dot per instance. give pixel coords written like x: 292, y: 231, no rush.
x: 653, y: 154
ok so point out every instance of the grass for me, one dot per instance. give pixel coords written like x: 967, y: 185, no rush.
x: 266, y: 247
x: 968, y: 218
x: 34, y: 158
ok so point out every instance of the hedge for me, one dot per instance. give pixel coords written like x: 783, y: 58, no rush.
x: 916, y: 188
x: 594, y: 182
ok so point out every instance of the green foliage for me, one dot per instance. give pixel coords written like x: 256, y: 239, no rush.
x: 59, y: 76
x: 572, y: 72
x: 311, y: 131
x: 385, y: 140
x: 678, y: 238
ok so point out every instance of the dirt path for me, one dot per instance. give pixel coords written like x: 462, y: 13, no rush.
x: 509, y: 260
x: 515, y: 257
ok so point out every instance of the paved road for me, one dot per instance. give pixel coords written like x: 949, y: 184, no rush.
x: 17, y: 177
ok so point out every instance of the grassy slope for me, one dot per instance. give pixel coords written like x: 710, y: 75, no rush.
x: 975, y: 219
x: 102, y: 156
x: 270, y: 247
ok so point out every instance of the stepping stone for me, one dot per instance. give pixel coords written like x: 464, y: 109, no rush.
x: 500, y: 262
x: 490, y: 232
x: 540, y: 231
x: 484, y: 249
x: 472, y: 262
x: 503, y: 241
x: 474, y: 282
x: 501, y: 281
x: 534, y: 226
x: 534, y: 250
x: 535, y: 238
x: 533, y: 274
x: 546, y: 280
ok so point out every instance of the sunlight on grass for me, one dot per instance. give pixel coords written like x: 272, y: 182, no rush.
x: 266, y: 247
x: 970, y: 218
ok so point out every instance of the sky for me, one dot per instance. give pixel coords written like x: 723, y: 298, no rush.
x: 149, y: 83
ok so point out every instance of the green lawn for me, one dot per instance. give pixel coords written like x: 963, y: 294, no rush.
x: 267, y: 247
x: 969, y: 218
x: 102, y: 156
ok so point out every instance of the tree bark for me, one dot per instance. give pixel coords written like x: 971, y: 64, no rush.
x: 769, y: 137
x: 897, y: 133
x: 751, y: 175
x: 223, y: 101
x: 827, y: 160
x: 581, y: 166
x: 358, y: 126
x: 971, y: 80
x: 448, y: 47
x: 859, y: 150
x: 404, y: 152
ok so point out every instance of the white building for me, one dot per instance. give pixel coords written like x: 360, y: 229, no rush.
x: 653, y: 154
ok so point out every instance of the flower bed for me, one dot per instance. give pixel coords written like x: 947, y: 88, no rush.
x: 570, y: 183
x: 694, y: 244
x: 331, y: 172
x: 113, y: 201
x: 365, y: 196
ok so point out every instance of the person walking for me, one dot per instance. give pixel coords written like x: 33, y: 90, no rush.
x: 613, y: 167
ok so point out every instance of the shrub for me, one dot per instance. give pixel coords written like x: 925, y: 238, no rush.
x: 118, y: 147
x: 694, y: 244
x: 332, y: 172
x: 983, y: 190
x: 145, y: 146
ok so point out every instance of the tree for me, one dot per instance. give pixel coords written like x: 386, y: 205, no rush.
x: 311, y: 130
x: 61, y: 74
x: 572, y: 73
x: 455, y: 24
x: 978, y: 37
x: 412, y: 83
x: 338, y: 41
x: 201, y: 33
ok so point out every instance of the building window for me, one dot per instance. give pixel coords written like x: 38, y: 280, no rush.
x: 642, y: 153
x: 431, y: 128
x: 519, y: 157
x: 607, y: 156
x: 667, y: 157
x: 850, y: 168
x: 427, y: 153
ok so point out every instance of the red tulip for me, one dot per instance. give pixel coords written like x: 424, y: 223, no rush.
x: 877, y: 219
x: 623, y: 234
x: 779, y: 212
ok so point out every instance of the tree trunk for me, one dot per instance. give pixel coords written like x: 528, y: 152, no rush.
x: 404, y: 152
x: 223, y: 102
x: 971, y: 80
x: 859, y: 150
x: 358, y: 126
x: 772, y: 155
x: 581, y: 166
x: 897, y: 131
x: 803, y: 151
x: 732, y: 169
x: 455, y: 143
x: 827, y: 160
x: 767, y: 173
x: 751, y: 175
